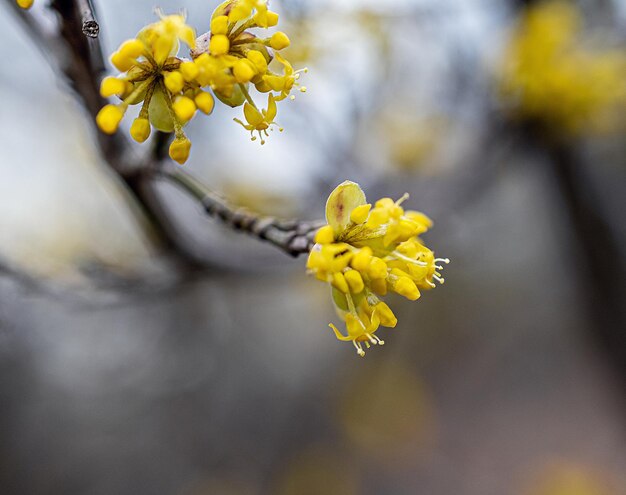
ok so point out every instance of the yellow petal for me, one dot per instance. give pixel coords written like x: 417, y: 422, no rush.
x: 338, y: 334
x: 386, y: 316
x: 277, y: 83
x: 253, y: 116
x: 188, y: 35
x: 270, y: 114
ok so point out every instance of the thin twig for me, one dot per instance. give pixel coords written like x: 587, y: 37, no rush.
x: 294, y: 237
x: 91, y: 27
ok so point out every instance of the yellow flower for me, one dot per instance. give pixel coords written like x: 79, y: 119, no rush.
x: 363, y: 253
x: 25, y: 4
x: 228, y: 61
x: 259, y: 121
x: 551, y: 75
x: 284, y: 83
x: 152, y: 76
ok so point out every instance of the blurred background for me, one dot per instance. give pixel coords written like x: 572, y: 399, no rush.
x: 505, y: 122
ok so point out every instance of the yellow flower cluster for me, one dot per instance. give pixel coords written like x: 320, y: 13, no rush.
x: 364, y: 253
x: 224, y: 62
x: 549, y: 75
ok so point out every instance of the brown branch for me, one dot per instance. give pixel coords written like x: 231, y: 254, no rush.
x: 294, y: 237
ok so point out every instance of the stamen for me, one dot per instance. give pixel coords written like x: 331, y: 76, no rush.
x: 404, y: 197
x: 402, y: 257
x: 352, y: 307
x: 372, y: 339
x: 359, y: 349
x: 442, y: 260
x: 439, y: 279
x: 380, y: 342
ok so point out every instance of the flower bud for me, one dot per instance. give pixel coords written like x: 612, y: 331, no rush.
x: 179, y: 149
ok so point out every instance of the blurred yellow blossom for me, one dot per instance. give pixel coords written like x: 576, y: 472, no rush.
x: 25, y: 4
x: 363, y: 253
x: 569, y: 478
x: 550, y: 75
x: 224, y: 63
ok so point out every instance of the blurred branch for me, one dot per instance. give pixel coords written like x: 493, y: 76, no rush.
x: 294, y: 237
x: 77, y: 53
x: 603, y: 274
